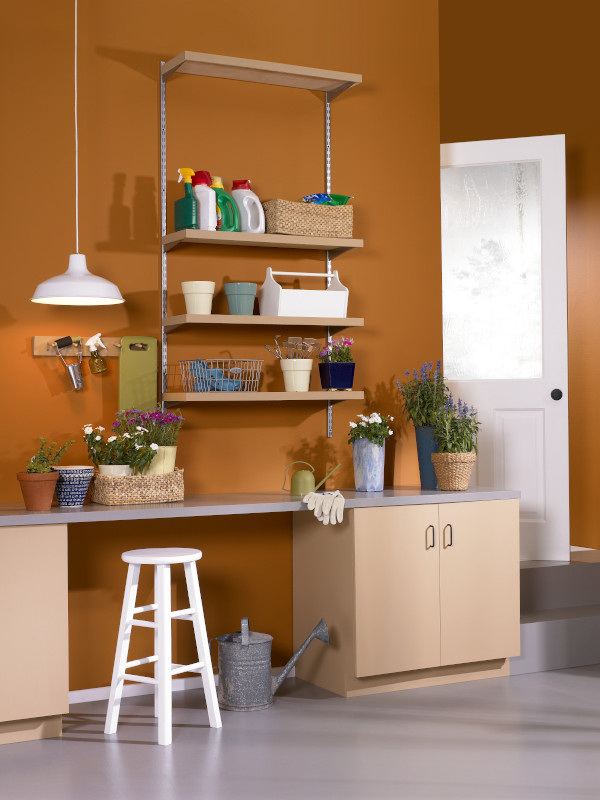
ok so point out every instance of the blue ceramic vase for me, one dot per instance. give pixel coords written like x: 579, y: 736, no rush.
x: 426, y: 445
x: 368, y: 465
x: 72, y: 484
x: 337, y: 374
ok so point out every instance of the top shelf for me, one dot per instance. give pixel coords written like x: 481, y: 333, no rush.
x: 246, y: 69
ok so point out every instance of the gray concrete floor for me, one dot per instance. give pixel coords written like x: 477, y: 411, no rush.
x: 530, y: 736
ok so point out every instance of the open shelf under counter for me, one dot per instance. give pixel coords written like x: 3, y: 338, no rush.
x: 239, y: 239
x: 338, y: 323
x: 259, y: 397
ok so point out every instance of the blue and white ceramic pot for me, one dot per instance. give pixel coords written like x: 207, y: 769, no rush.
x: 368, y: 465
x: 72, y: 484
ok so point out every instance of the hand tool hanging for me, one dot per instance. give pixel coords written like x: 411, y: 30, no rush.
x: 73, y: 370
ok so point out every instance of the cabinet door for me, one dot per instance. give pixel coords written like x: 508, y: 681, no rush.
x: 397, y: 589
x: 479, y: 580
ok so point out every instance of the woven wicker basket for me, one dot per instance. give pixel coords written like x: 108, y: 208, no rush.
x: 112, y: 490
x: 308, y: 219
x: 453, y: 470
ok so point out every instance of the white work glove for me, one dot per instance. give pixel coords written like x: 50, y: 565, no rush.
x: 328, y: 506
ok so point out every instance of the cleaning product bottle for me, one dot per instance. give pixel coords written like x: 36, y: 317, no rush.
x: 228, y: 216
x: 97, y: 363
x: 252, y: 215
x: 207, y: 201
x: 186, y: 208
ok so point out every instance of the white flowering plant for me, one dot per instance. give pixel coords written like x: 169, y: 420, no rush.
x: 127, y: 448
x: 375, y: 428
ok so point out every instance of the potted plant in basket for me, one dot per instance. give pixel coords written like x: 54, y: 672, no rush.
x: 368, y: 450
x: 455, y: 431
x: 423, y: 396
x: 118, y: 455
x: 150, y: 428
x: 336, y: 369
x: 39, y: 480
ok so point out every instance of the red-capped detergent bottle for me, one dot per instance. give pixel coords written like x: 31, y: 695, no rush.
x: 207, y: 201
x: 252, y: 215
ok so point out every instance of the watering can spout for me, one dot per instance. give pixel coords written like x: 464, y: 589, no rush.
x: 320, y: 632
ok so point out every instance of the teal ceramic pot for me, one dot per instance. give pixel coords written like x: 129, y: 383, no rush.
x: 72, y: 484
x: 240, y: 297
x: 369, y: 461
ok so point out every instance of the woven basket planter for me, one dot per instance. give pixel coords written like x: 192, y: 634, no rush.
x: 109, y: 490
x: 308, y: 219
x: 453, y: 470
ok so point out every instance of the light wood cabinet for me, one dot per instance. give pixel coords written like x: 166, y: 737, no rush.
x: 412, y: 594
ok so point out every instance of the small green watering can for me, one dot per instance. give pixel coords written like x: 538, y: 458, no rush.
x: 303, y: 481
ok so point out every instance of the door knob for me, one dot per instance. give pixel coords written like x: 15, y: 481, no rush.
x: 556, y: 394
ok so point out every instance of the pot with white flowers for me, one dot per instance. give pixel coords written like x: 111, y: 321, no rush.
x: 118, y: 455
x: 368, y: 450
x: 455, y: 431
x: 156, y: 429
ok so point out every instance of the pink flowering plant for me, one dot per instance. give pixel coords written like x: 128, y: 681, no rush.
x: 374, y: 428
x: 157, y: 426
x: 337, y: 351
x: 127, y: 448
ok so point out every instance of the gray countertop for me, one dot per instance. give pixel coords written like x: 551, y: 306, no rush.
x: 208, y: 505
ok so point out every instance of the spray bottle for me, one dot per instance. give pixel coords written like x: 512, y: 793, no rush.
x: 186, y: 208
x: 97, y: 363
x: 207, y: 201
x: 228, y: 216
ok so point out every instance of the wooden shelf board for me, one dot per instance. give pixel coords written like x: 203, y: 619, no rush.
x: 189, y: 236
x: 246, y: 69
x: 260, y: 397
x: 171, y: 323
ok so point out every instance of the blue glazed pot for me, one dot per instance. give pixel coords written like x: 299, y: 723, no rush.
x: 368, y: 465
x: 72, y: 484
x: 338, y: 375
x: 426, y: 445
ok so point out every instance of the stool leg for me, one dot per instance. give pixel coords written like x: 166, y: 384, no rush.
x: 163, y: 620
x: 116, y: 686
x: 156, y: 642
x: 208, y: 679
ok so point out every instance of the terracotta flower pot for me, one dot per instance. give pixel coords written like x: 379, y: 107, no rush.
x: 37, y: 489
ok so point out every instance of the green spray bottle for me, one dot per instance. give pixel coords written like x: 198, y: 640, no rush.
x: 186, y: 208
x: 228, y: 216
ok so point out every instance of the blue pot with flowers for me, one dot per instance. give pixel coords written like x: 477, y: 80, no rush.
x: 424, y: 394
x: 367, y: 438
x: 336, y: 369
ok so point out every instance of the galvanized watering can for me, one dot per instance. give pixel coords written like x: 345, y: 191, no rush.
x: 245, y: 682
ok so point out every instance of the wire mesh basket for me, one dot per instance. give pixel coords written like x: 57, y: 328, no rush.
x: 220, y: 374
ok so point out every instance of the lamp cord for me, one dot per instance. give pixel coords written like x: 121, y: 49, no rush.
x: 76, y: 147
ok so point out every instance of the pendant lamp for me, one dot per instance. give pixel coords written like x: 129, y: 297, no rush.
x: 77, y: 286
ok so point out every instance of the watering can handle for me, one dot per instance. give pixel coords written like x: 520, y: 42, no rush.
x: 289, y: 465
x: 245, y: 631
x: 329, y: 474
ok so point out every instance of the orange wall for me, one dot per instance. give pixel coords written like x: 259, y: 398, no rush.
x: 385, y: 152
x: 527, y: 69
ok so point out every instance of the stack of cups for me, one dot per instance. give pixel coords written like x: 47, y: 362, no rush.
x: 198, y: 296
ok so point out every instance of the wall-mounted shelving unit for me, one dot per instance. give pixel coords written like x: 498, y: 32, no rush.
x: 332, y: 84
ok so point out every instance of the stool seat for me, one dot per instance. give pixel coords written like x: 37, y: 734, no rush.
x: 162, y: 555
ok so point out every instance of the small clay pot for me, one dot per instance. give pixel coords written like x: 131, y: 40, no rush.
x: 37, y: 489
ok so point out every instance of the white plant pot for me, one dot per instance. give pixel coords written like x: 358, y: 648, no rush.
x: 198, y: 296
x: 163, y: 462
x: 296, y: 373
x: 116, y: 470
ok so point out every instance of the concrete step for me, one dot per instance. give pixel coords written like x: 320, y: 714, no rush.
x: 556, y: 584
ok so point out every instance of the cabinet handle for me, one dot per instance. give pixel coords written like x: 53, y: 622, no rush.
x: 429, y: 546
x: 448, y: 526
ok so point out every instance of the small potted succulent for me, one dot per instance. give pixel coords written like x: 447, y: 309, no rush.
x: 367, y: 438
x: 337, y: 365
x: 423, y: 395
x: 39, y: 479
x: 455, y: 431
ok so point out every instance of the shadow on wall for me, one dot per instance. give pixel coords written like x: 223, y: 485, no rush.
x: 147, y: 64
x: 135, y: 232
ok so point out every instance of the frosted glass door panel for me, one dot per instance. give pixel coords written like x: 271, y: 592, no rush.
x: 492, y: 271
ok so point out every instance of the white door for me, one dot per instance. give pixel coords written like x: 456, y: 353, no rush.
x: 504, y: 282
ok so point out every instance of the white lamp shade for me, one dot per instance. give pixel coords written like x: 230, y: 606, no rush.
x: 77, y: 287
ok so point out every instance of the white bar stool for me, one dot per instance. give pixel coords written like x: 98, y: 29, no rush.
x: 161, y: 559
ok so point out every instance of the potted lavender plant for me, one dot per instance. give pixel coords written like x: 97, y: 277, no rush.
x: 455, y: 431
x: 368, y: 450
x: 336, y: 369
x: 423, y: 396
